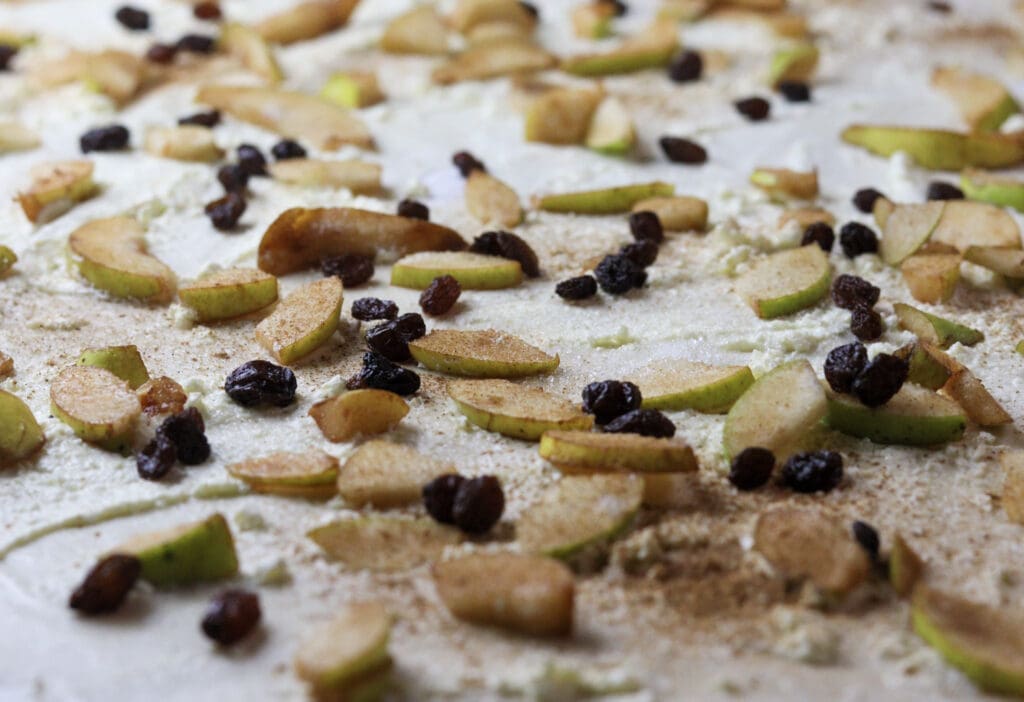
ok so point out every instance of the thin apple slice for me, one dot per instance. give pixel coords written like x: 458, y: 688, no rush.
x: 384, y: 544
x: 679, y: 384
x: 593, y: 19
x: 229, y: 293
x: 98, y: 406
x: 300, y: 238
x: 338, y: 658
x: 983, y: 187
x: 249, y: 47
x: 161, y: 396
x: 585, y: 451
x: 1012, y: 499
x: 580, y: 511
x: 519, y: 411
x: 306, y: 20
x: 468, y: 14
x: 123, y: 361
x: 793, y: 63
x: 385, y: 474
x: 932, y: 278
x: 907, y: 228
x: 605, y: 200
x: 934, y: 329
x: 358, y: 413
x: 183, y: 143
x: 7, y: 259
x: 906, y: 568
x: 290, y: 114
x: 353, y: 89
x: 938, y: 149
x: 985, y: 103
x: 915, y: 416
x: 679, y: 213
x: 20, y: 433
x: 492, y: 201
x: 360, y: 177
x: 197, y: 552
x: 611, y: 129
x: 786, y: 281
x: 561, y: 115
x: 119, y: 75
x: 303, y: 321
x: 965, y: 224
x: 421, y: 30
x: 473, y: 271
x: 652, y: 48
x: 970, y: 393
x: 778, y: 412
x: 56, y: 188
x: 492, y: 60
x: 16, y: 137
x: 527, y: 594
x: 685, y: 10
x: 926, y: 369
x: 111, y: 255
x: 480, y: 354
x: 783, y: 183
x: 498, y: 31
x: 882, y: 209
x: 312, y: 474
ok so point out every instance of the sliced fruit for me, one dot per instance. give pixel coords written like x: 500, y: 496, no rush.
x: 183, y: 143
x: 358, y: 413
x: 805, y: 543
x: 905, y: 567
x: 932, y: 278
x: 384, y: 474
x: 783, y: 183
x: 480, y: 354
x: 934, y: 329
x: 229, y: 293
x: 468, y: 14
x: 16, y: 137
x: 652, y: 48
x: 418, y: 31
x: 290, y: 114
x: 527, y: 594
x: 938, y: 149
x: 925, y: 369
x: 311, y: 474
x: 685, y: 10
x: 473, y: 271
x: 161, y: 396
x: 491, y: 201
x: 679, y: 384
x: 985, y: 103
x: 190, y: 553
x: 498, y: 31
x: 300, y: 238
x: 111, y: 255
x: 915, y: 416
x: 123, y: 361
x: 1012, y: 499
x: 678, y: 213
x: 561, y: 115
x: 306, y: 20
x: 579, y: 511
x: 249, y: 47
x: 806, y: 216
x: 990, y: 188
x: 970, y: 393
x: 585, y: 451
x: 965, y: 224
x: 611, y: 129
x: 353, y: 90
x: 593, y: 19
x: 778, y: 411
x: 605, y: 200
x: 97, y: 405
x: 881, y: 211
x: 361, y: 177
x: 7, y: 259
x: 786, y: 281
x: 20, y: 433
x: 383, y: 544
x: 303, y: 321
x: 117, y: 74
x: 56, y: 188
x: 519, y: 411
x: 492, y: 60
x: 907, y: 228
x: 793, y: 63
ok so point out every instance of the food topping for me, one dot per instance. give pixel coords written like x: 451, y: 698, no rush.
x: 610, y: 399
x: 751, y: 468
x: 578, y: 288
x: 440, y: 296
x: 380, y: 373
x: 816, y: 471
x: 231, y: 616
x: 107, y: 585
x: 368, y: 309
x: 261, y: 383
x: 646, y: 422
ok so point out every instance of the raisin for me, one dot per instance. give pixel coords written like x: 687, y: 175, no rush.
x: 865, y: 199
x: 132, y: 18
x: 107, y: 585
x: 387, y: 340
x: 411, y: 326
x: 866, y: 324
x: 225, y: 212
x: 843, y: 364
x: 202, y: 119
x: 643, y: 253
x: 851, y: 292
x: 209, y: 11
x: 617, y: 275
x: 940, y: 6
x: 467, y: 163
x: 531, y: 8
x: 618, y: 7
x: 370, y: 308
x: 816, y: 471
x: 156, y: 459
x: 753, y: 108
x: 881, y: 379
x: 261, y: 383
x: 579, y: 288
x: 819, y: 233
x: 197, y: 44
x: 867, y: 537
x: 353, y: 269
x: 413, y: 209
x: 507, y: 245
x: 380, y: 373
x: 645, y: 225
x: 646, y: 422
x: 161, y: 53
x: 440, y: 295
x: 7, y: 54
x: 286, y: 149
x: 111, y: 138
x: 478, y: 505
x: 685, y: 67
x: 439, y: 496
x: 252, y: 160
x: 679, y: 150
x: 794, y: 91
x: 857, y: 239
x: 751, y: 468
x: 233, y: 177
x: 187, y: 431
x: 609, y: 399
x: 940, y: 190
x: 231, y: 615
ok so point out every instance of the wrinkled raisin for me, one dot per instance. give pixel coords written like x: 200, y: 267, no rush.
x: 940, y: 190
x: 261, y: 383
x: 578, y: 288
x: 867, y: 537
x: 413, y: 209
x: 617, y: 275
x: 370, y: 308
x: 231, y: 615
x: 843, y: 364
x: 467, y: 163
x: 197, y: 44
x: 816, y: 471
x: 819, y: 233
x: 851, y: 292
x: 794, y: 91
x: 411, y: 325
x: 618, y: 7
x: 865, y: 199
x: 751, y: 468
x: 225, y: 212
x: 881, y: 379
x: 132, y: 18
x: 208, y: 11
x: 531, y: 8
x: 679, y: 150
x: 643, y: 253
x: 380, y: 373
x: 608, y: 399
x: 940, y: 6
x: 439, y: 496
x: 866, y: 324
x: 187, y: 432
x: 252, y: 160
x: 155, y: 460
x: 645, y: 226
x: 233, y: 177
x: 857, y: 239
x: 161, y: 53
x: 111, y: 138
x: 686, y: 66
x: 353, y: 269
x: 646, y: 422
x: 479, y: 504
x: 440, y: 295
x: 7, y: 54
x: 107, y: 585
x: 387, y: 340
x: 753, y: 108
x: 202, y: 119
x: 507, y: 245
x: 286, y: 149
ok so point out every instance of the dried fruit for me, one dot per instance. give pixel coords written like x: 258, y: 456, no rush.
x: 679, y: 150
x: 233, y: 177
x: 866, y: 324
x: 107, y: 585
x: 187, y: 431
x: 479, y: 504
x: 370, y: 308
x: 440, y: 296
x: 380, y: 373
x: 225, y: 212
x: 856, y: 239
x: 439, y: 497
x: 507, y: 245
x: 209, y: 119
x: 843, y: 364
x: 156, y: 459
x: 754, y: 108
x: 643, y: 253
x: 578, y: 288
x: 851, y: 292
x: 819, y: 233
x: 467, y: 163
x: 231, y: 616
x: 940, y: 190
x: 286, y: 149
x: 207, y: 10
x: 132, y: 18
x: 645, y: 226
x: 261, y: 383
x: 391, y: 339
x: 686, y: 66
x: 646, y: 422
x: 751, y: 468
x: 865, y: 199
x: 7, y: 54
x: 197, y: 44
x: 609, y: 399
x: 352, y: 269
x: 867, y: 537
x: 161, y: 53
x: 794, y: 90
x: 617, y: 274
x: 413, y: 209
x: 814, y: 471
x: 112, y: 138
x: 880, y: 380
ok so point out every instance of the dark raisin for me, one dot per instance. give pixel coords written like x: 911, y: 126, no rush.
x: 252, y: 160
x: 866, y: 324
x: 843, y: 364
x: 507, y: 245
x: 608, y: 399
x: 867, y: 537
x: 110, y: 138
x: 940, y: 190
x: 187, y: 432
x: 646, y: 422
x: 479, y: 504
x: 161, y: 53
x: 197, y: 44
x: 618, y: 6
x: 679, y: 150
x: 156, y: 459
x: 643, y: 253
x: 233, y: 177
x: 208, y: 11
x: 225, y: 212
x: 286, y: 149
x: 881, y: 379
x: 753, y: 108
x: 202, y: 119
x: 132, y: 18
x: 851, y: 292
x: 413, y: 209
x: 939, y: 6
x: 440, y: 295
x: 7, y: 54
x: 411, y: 326
x: 107, y: 585
x: 857, y: 239
x: 816, y: 471
x: 819, y: 233
x: 353, y: 269
x: 865, y: 199
x: 751, y: 468
x: 380, y: 373
x: 231, y: 615
x: 686, y: 66
x: 794, y: 91
x: 530, y: 8
x: 645, y: 225
x: 617, y: 275
x: 261, y: 383
x: 439, y: 496
x: 387, y: 340
x: 467, y: 163
x: 370, y: 308
x: 579, y: 288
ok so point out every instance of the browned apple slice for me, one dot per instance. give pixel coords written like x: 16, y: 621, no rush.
x: 184, y: 143
x: 111, y: 254
x: 117, y: 74
x: 358, y: 413
x: 978, y: 403
x: 361, y: 177
x: 56, y: 188
x: 306, y: 20
x: 932, y: 277
x: 491, y: 201
x: 418, y: 31
x: 303, y: 321
x: 468, y: 14
x: 251, y: 50
x: 494, y: 59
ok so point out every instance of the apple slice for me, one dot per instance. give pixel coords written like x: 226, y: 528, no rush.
x: 934, y: 329
x: 585, y: 451
x: 183, y: 143
x: 593, y: 19
x: 985, y: 103
x: 793, y: 63
x: 530, y: 595
x: 652, y: 48
x: 806, y: 216
x: 1012, y: 499
x: 385, y: 474
x: 988, y: 187
x: 384, y: 544
x: 189, y: 553
x: 678, y: 213
x: 468, y: 14
x: 229, y: 293
x: 20, y: 433
x: 492, y: 60
x: 249, y: 47
x: 111, y: 255
x: 119, y: 75
x: 579, y: 511
x: 15, y: 137
x: 561, y: 115
x: 519, y: 411
x: 306, y: 20
x: 981, y: 408
x: 926, y: 369
x: 473, y: 271
x: 782, y: 183
x: 932, y: 278
x: 786, y: 281
x: 679, y: 384
x: 907, y: 228
x: 906, y: 569
x: 358, y: 413
x: 123, y: 361
x: 360, y: 177
x: 312, y: 474
x: 611, y: 129
x: 303, y: 321
x: 418, y: 31
x: 290, y: 114
x: 340, y: 657
x: 915, y: 416
x: 353, y: 90
x: 938, y: 149
x: 56, y: 188
x: 98, y: 406
x: 605, y: 200
x: 491, y: 201
x: 778, y: 412
x: 965, y: 224
x: 300, y: 238
x: 480, y: 354
x: 685, y: 10
x: 7, y: 259
x: 882, y: 209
